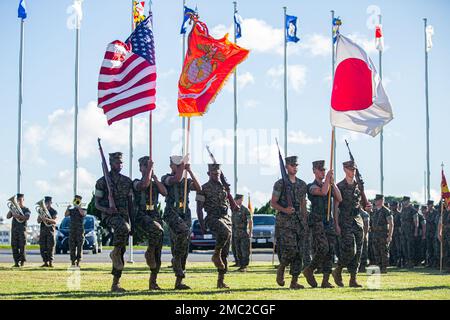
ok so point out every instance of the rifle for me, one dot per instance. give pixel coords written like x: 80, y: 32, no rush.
x: 286, y: 183
x: 358, y: 178
x: 112, y: 204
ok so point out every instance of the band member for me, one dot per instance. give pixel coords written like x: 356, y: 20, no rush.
x: 321, y: 225
x: 290, y: 224
x: 178, y: 219
x: 148, y: 216
x: 117, y: 218
x: 19, y: 231
x: 242, y: 223
x: 349, y: 226
x: 76, y: 233
x: 47, y: 233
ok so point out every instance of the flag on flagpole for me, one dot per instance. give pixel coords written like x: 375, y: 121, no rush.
x: 138, y: 12
x: 445, y: 192
x: 358, y: 102
x: 379, y: 38
x: 250, y: 206
x: 337, y: 22
x: 238, y: 22
x: 127, y: 78
x: 188, y: 13
x: 22, y: 11
x: 291, y: 29
x: 208, y: 64
x: 430, y: 33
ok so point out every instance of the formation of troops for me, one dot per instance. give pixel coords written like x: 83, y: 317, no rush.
x: 355, y: 234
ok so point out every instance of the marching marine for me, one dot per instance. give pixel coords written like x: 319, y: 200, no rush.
x: 19, y: 229
x: 242, y: 223
x: 76, y: 233
x: 47, y: 234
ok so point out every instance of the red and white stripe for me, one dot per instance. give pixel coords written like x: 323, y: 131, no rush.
x: 127, y: 83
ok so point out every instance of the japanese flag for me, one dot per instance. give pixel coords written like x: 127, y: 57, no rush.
x: 379, y: 38
x: 358, y: 101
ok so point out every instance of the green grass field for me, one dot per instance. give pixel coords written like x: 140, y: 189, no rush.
x: 32, y: 282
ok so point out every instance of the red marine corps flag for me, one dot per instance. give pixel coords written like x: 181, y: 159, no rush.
x: 358, y: 101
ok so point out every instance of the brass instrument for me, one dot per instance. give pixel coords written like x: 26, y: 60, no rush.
x: 76, y: 202
x: 43, y: 213
x: 14, y: 207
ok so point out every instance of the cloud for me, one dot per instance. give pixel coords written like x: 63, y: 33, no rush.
x: 367, y: 44
x: 243, y: 80
x: 419, y: 196
x: 266, y: 156
x: 296, y: 76
x: 299, y: 137
x: 258, y: 198
x: 317, y: 45
x: 251, y: 104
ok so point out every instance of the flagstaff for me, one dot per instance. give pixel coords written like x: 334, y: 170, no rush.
x: 333, y: 62
x: 380, y: 53
x: 77, y: 99
x: 285, y: 85
x: 183, y: 53
x: 427, y: 109
x: 19, y: 128
x: 235, y: 109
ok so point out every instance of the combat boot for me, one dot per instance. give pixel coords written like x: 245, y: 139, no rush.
x: 280, y: 274
x: 309, y: 276
x: 337, y: 276
x: 353, y: 283
x: 22, y: 263
x: 242, y: 269
x: 217, y: 259
x: 220, y: 283
x: 116, y: 258
x: 294, y: 284
x: 50, y: 264
x: 116, y: 286
x: 150, y: 257
x: 16, y: 265
x: 383, y: 270
x: 179, y: 285
x: 152, y: 285
x: 325, y: 283
x: 45, y: 265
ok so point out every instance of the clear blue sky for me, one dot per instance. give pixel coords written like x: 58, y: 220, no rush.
x: 49, y: 94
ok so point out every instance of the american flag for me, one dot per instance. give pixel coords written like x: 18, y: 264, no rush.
x: 127, y: 80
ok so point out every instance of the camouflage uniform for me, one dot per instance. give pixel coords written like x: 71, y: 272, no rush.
x: 396, y: 255
x: 178, y: 221
x: 322, y: 230
x: 351, y: 224
x: 290, y: 228
x: 446, y: 240
x: 121, y: 187
x: 76, y: 235
x: 379, y: 230
x: 213, y: 198
x: 241, y: 237
x: 407, y: 217
x: 432, y: 250
x: 150, y: 221
x: 19, y: 238
x: 365, y: 249
x: 47, y: 238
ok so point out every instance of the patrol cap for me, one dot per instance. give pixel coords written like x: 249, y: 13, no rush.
x: 144, y: 160
x: 78, y: 197
x: 379, y: 197
x: 349, y: 164
x: 394, y: 203
x: 406, y: 198
x: 115, y: 156
x: 48, y: 199
x: 319, y: 164
x: 176, y: 160
x: 430, y: 202
x: 416, y: 206
x: 292, y: 160
x: 423, y: 207
x: 213, y: 166
x: 20, y: 195
x: 238, y: 196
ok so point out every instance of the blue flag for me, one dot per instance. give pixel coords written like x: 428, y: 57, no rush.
x: 237, y: 22
x: 187, y: 15
x: 22, y: 11
x: 291, y: 29
x: 337, y: 22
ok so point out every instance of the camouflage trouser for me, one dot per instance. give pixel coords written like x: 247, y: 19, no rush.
x: 47, y: 245
x: 446, y: 249
x: 432, y: 251
x: 221, y: 230
x: 408, y: 247
x: 307, y: 248
x: 365, y: 251
x: 241, y: 244
x: 290, y: 247
x: 76, y: 240
x: 233, y: 246
x: 380, y: 250
x: 395, y: 252
x: 152, y: 226
x: 179, y: 234
x: 351, y: 242
x: 18, y: 242
x: 121, y: 229
x: 419, y: 249
x: 322, y: 244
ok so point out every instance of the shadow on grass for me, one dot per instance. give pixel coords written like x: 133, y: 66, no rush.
x: 407, y: 289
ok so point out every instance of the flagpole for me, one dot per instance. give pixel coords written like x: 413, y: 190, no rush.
x: 19, y: 128
x: 333, y: 65
x: 427, y: 111
x: 380, y: 52
x: 442, y: 222
x: 185, y: 172
x: 77, y: 100
x: 235, y: 111
x: 183, y: 119
x: 285, y: 86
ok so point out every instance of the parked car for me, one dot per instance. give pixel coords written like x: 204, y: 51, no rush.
x: 200, y: 241
x: 263, y: 231
x: 92, y: 235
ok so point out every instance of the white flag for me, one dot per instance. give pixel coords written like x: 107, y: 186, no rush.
x: 430, y: 33
x: 358, y: 101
